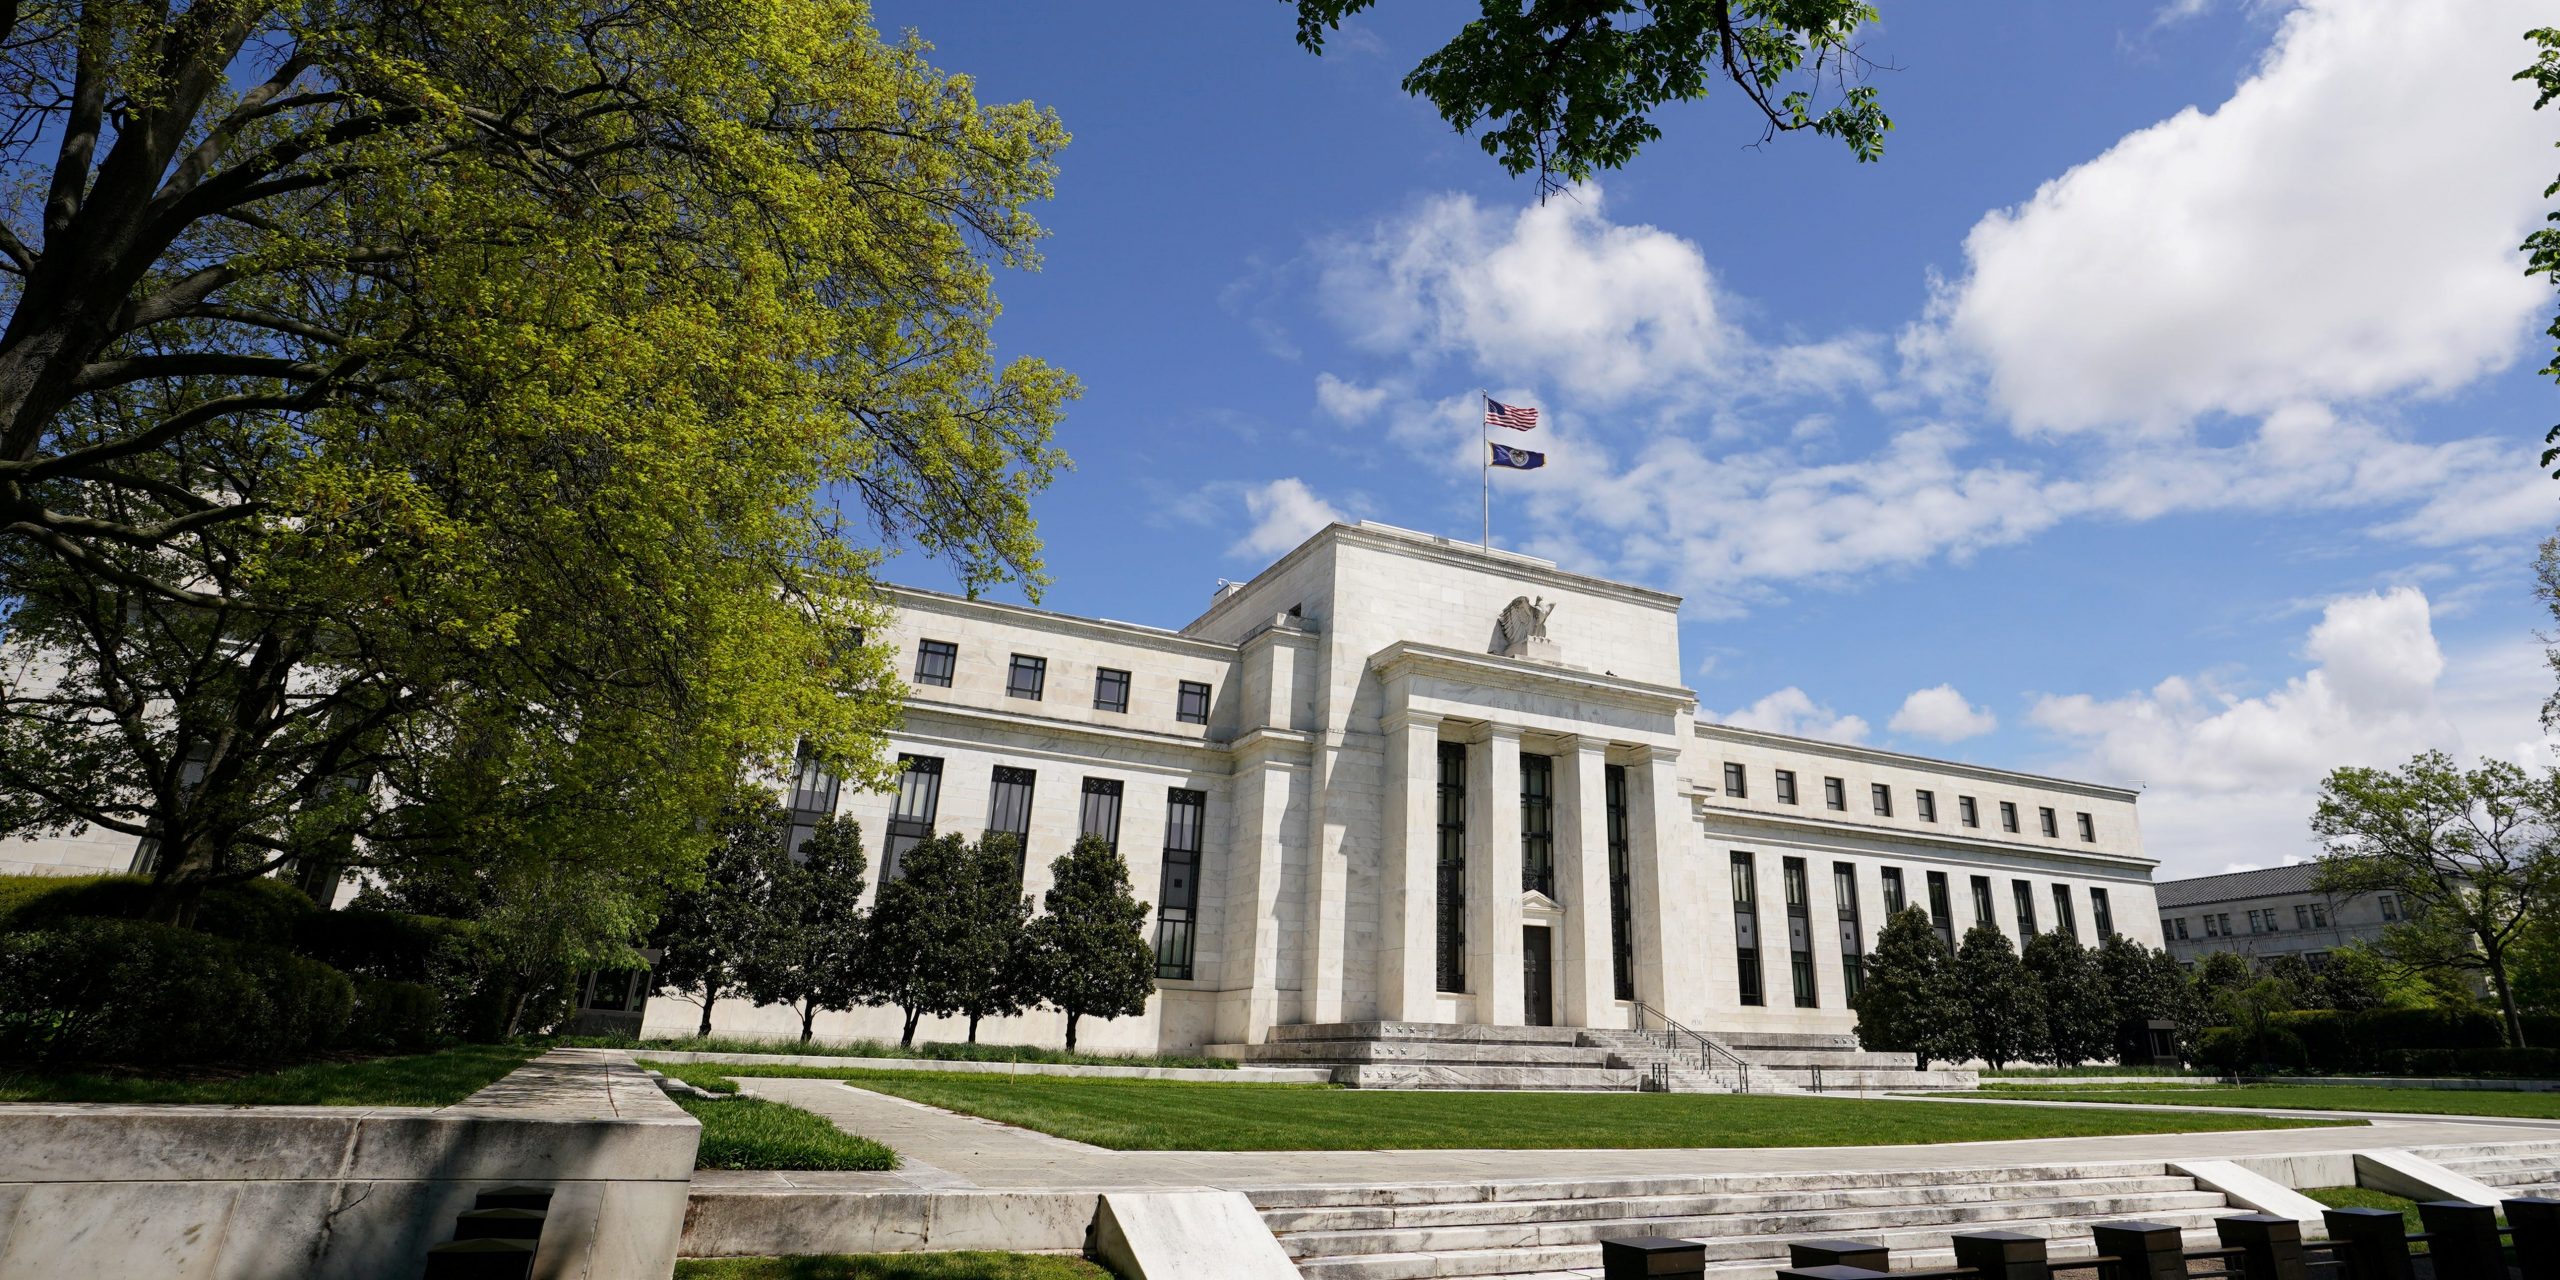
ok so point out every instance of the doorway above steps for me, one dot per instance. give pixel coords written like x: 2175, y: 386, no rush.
x: 1443, y: 1055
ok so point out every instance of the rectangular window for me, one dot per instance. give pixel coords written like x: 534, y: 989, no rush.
x: 2319, y: 916
x: 2102, y: 914
x: 2052, y: 831
x: 1733, y: 782
x: 1894, y: 897
x: 911, y: 817
x: 1786, y: 786
x: 1537, y: 824
x: 1453, y: 866
x: 2025, y: 896
x: 1110, y: 689
x: 813, y: 796
x: 1925, y: 803
x: 1982, y: 900
x: 1191, y: 703
x: 2088, y: 828
x: 1941, y: 911
x: 2271, y: 920
x: 2225, y: 918
x: 2209, y: 930
x: 1799, y: 930
x: 1881, y: 796
x: 1178, y: 901
x: 2008, y: 817
x: 1835, y: 794
x: 1967, y: 812
x: 2301, y: 916
x: 2390, y: 903
x: 2175, y: 928
x: 2065, y: 920
x: 935, y: 661
x: 1027, y: 677
x: 1009, y: 809
x: 1746, y: 928
x: 1622, y: 939
x: 1853, y: 933
x: 1101, y: 816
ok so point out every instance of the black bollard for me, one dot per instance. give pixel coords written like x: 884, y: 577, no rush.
x: 2143, y: 1251
x: 2372, y: 1244
x: 2003, y: 1255
x: 1839, y: 1253
x: 1832, y: 1272
x: 497, y: 1224
x: 1652, y: 1258
x: 2465, y: 1238
x: 2536, y: 1223
x: 2271, y: 1247
x: 480, y: 1260
x: 536, y: 1198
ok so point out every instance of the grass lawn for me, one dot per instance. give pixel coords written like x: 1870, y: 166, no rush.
x: 757, y: 1133
x: 2366, y: 1198
x: 935, y: 1050
x: 893, y: 1266
x: 1163, y: 1115
x: 436, y: 1079
x: 2101, y: 1069
x: 2309, y: 1097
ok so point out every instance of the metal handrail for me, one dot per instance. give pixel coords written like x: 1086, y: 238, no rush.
x: 1708, y: 1050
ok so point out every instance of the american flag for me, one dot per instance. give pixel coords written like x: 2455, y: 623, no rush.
x: 1516, y: 417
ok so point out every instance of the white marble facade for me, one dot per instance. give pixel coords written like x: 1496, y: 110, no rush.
x: 1334, y: 678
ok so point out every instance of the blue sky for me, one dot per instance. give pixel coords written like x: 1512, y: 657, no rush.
x: 2161, y: 409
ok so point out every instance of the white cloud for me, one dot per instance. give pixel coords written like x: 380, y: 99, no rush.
x: 1348, y: 402
x: 2342, y: 227
x: 1792, y: 711
x: 1284, y: 512
x: 1942, y: 714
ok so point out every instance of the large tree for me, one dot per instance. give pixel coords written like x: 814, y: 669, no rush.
x: 994, y: 969
x: 1088, y: 949
x: 466, y: 405
x: 2473, y: 855
x: 1564, y: 88
x: 2079, y: 1009
x: 1907, y: 1000
x: 2143, y: 984
x: 807, y: 951
x: 917, y: 951
x: 2542, y: 248
x: 706, y: 936
x: 1999, y: 996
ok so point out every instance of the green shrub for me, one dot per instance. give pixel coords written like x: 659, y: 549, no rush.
x: 130, y: 991
x: 264, y: 910
x: 2355, y: 1042
x: 395, y: 1015
x: 2525, y: 1064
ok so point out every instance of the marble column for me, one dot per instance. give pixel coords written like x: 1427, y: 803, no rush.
x: 1408, y: 919
x: 1677, y: 921
x: 1493, y: 876
x: 1586, y: 985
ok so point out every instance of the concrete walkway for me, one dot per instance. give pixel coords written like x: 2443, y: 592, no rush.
x: 943, y: 1149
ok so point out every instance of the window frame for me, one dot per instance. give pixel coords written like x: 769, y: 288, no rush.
x: 1786, y: 786
x: 1103, y: 679
x: 2009, y: 817
x: 1880, y: 798
x: 1183, y: 693
x: 948, y: 652
x: 1178, y: 883
x: 1038, y: 667
x: 1968, y: 812
x: 1737, y: 784
x: 1101, y: 801
x: 1835, y: 794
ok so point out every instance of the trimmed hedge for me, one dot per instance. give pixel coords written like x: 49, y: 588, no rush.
x: 2337, y: 1041
x: 395, y: 1015
x: 108, y: 990
x: 2525, y: 1064
x: 264, y: 910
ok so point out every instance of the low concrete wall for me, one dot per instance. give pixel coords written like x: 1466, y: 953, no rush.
x: 347, y: 1193
x: 1201, y: 1075
x: 760, y: 1222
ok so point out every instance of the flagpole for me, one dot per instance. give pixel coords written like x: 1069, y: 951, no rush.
x: 1484, y: 462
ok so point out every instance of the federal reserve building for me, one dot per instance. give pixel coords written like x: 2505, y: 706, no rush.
x: 1414, y: 807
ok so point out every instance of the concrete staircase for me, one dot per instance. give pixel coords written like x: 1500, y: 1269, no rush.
x: 1835, y: 1064
x: 2517, y: 1168
x: 1553, y: 1229
x: 1671, y: 1070
x: 1435, y: 1055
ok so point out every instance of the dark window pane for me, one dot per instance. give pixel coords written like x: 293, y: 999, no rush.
x: 1453, y: 867
x: 1101, y: 815
x: 935, y: 661
x: 1537, y: 824
x: 1110, y: 689
x: 1027, y: 677
x: 1191, y: 703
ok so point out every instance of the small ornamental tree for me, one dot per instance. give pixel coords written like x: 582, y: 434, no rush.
x: 707, y: 932
x: 2295, y: 973
x: 2000, y: 996
x: 1088, y: 952
x: 1907, y: 1002
x: 916, y: 954
x: 808, y: 951
x: 2079, y: 1009
x: 2143, y: 984
x: 994, y: 976
x: 2354, y: 980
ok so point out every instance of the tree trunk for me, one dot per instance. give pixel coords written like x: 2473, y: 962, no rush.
x: 515, y: 1012
x: 973, y: 1026
x: 707, y: 999
x: 808, y: 1018
x: 2506, y: 999
x: 907, y: 1037
x: 1071, y: 1030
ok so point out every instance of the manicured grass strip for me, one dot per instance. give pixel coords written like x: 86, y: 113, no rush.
x: 2366, y: 1198
x: 2099, y: 1069
x: 2312, y: 1097
x: 893, y: 1266
x: 1165, y: 1115
x: 936, y: 1050
x: 437, y: 1079
x: 757, y: 1133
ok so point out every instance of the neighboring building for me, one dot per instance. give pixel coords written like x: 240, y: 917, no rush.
x: 1398, y: 777
x: 2276, y: 911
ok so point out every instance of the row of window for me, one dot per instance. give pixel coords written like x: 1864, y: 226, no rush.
x: 1537, y: 860
x: 1027, y: 677
x: 1835, y: 796
x: 919, y: 801
x: 1844, y: 890
x: 2306, y: 915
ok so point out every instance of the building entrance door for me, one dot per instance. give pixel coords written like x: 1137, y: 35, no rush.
x: 1537, y: 985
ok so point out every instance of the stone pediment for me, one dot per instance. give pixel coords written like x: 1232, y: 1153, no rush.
x: 1534, y: 903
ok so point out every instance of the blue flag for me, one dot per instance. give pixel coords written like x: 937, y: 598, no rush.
x: 1517, y: 459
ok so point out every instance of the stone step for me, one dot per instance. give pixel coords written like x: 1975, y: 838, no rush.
x: 1923, y: 1246
x: 1486, y: 1212
x: 1461, y: 1052
x: 1459, y: 1032
x: 1323, y: 1194
x: 1424, y: 1075
x: 1827, y: 1059
x: 1738, y: 1234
